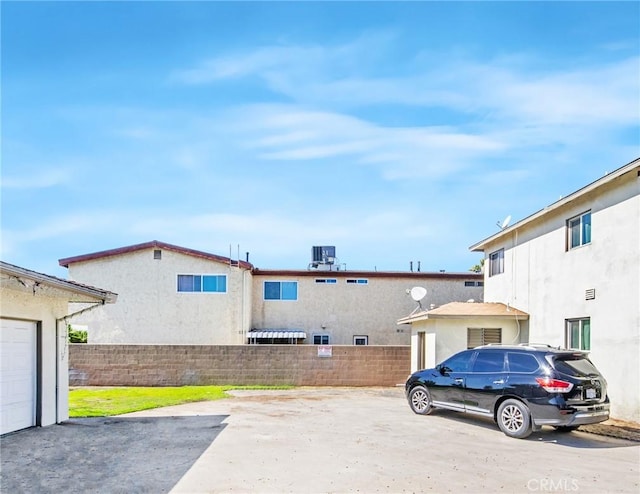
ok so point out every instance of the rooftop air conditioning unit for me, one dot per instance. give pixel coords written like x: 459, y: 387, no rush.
x: 323, y: 254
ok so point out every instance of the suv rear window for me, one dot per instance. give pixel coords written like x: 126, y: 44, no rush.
x: 577, y: 367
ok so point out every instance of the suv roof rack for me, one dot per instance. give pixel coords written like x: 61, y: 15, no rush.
x: 488, y: 345
x: 521, y: 345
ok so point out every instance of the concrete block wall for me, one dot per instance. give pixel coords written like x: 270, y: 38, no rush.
x: 181, y: 365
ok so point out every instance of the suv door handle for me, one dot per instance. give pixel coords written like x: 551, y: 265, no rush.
x: 499, y: 381
x: 458, y: 380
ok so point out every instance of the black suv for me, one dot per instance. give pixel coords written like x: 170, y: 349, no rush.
x: 521, y: 387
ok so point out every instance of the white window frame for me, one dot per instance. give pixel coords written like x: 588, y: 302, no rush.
x: 322, y: 336
x: 202, y: 277
x: 279, y: 299
x: 578, y: 224
x: 362, y: 337
x: 579, y: 325
x: 496, y: 262
x: 357, y: 281
x: 473, y: 283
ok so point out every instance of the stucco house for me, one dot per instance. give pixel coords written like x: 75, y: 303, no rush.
x: 574, y: 268
x: 167, y: 295
x: 34, y: 312
x: 174, y: 295
x: 353, y: 307
x: 440, y: 332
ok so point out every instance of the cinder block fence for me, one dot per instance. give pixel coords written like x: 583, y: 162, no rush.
x: 179, y: 365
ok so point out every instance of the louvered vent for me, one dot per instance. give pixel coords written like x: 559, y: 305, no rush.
x: 590, y: 294
x: 483, y: 336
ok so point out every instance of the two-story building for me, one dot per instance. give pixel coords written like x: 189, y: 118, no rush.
x: 574, y: 267
x: 567, y: 275
x: 175, y: 295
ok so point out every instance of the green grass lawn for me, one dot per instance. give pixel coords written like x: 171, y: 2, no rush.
x: 103, y: 402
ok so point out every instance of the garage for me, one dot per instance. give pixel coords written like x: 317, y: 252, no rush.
x: 35, y: 313
x: 18, y: 375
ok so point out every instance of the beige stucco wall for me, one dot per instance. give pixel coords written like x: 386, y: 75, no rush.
x: 43, y: 309
x: 151, y: 311
x: 549, y: 283
x: 346, y: 310
x: 444, y: 337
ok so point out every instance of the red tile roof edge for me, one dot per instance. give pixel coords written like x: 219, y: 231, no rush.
x: 156, y: 244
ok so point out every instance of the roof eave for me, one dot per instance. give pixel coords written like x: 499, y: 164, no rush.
x: 149, y: 245
x: 480, y: 246
x: 105, y: 296
x: 519, y: 317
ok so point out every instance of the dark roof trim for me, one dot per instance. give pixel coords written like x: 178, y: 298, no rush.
x: 480, y: 246
x: 70, y: 286
x: 154, y: 244
x: 368, y: 274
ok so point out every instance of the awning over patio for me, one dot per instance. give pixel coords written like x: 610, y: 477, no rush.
x: 276, y: 333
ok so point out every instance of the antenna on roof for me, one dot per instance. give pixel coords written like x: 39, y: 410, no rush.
x: 504, y: 223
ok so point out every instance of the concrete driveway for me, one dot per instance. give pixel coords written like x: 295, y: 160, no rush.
x: 106, y: 455
x: 351, y: 440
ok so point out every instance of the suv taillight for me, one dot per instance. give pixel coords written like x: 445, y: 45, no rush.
x: 554, y: 385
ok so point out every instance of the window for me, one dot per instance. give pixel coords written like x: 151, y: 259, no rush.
x: 496, y: 262
x: 157, y: 254
x: 360, y: 340
x: 522, y: 362
x: 578, y: 334
x: 281, y: 290
x: 489, y: 362
x: 458, y: 363
x: 474, y: 283
x: 483, y: 336
x: 575, y: 366
x: 579, y: 230
x: 328, y: 281
x: 202, y: 283
x: 357, y: 281
x: 320, y: 339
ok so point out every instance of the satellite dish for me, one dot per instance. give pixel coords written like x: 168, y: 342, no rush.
x: 418, y: 293
x: 504, y: 223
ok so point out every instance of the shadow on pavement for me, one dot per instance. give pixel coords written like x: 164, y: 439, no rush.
x: 106, y: 454
x: 606, y: 437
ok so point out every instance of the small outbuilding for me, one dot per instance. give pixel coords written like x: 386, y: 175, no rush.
x: 34, y: 316
x: 438, y: 333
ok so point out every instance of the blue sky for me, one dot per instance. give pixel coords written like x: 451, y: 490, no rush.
x: 397, y: 132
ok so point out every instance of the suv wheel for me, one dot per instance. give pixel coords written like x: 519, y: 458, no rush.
x: 514, y: 419
x: 420, y: 400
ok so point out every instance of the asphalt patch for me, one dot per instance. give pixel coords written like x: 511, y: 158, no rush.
x: 106, y: 454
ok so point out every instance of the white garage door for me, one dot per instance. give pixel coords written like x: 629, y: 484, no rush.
x: 18, y: 375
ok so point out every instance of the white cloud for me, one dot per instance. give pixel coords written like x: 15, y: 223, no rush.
x: 286, y: 132
x: 591, y: 96
x: 505, y: 88
x: 37, y: 177
x: 302, y: 63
